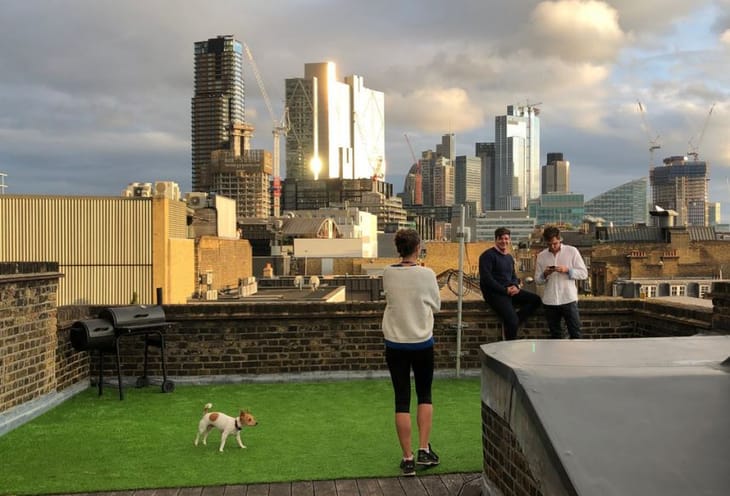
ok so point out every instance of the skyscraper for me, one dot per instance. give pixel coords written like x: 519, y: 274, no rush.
x: 447, y: 147
x: 556, y: 174
x: 443, y: 182
x: 337, y: 128
x: 467, y: 181
x: 517, y: 157
x: 681, y: 185
x: 485, y: 151
x: 624, y: 205
x: 437, y: 173
x: 217, y: 104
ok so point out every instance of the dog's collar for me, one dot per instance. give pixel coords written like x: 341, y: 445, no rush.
x: 238, y: 426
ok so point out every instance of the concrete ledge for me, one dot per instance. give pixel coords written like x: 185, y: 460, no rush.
x: 19, y: 415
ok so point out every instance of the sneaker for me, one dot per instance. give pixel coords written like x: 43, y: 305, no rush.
x: 408, y: 467
x: 427, y: 457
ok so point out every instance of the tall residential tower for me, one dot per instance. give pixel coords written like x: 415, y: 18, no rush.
x: 217, y: 104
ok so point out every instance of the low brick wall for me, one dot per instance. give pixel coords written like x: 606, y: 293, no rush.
x: 28, y: 335
x: 214, y: 339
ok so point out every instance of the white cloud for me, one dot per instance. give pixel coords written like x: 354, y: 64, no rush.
x: 725, y: 37
x: 576, y: 30
x: 436, y: 110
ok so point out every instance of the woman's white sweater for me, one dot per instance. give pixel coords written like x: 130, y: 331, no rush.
x: 412, y: 296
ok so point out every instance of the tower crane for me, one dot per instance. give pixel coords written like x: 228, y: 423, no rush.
x: 653, y: 142
x: 694, y: 148
x: 418, y: 177
x: 281, y: 128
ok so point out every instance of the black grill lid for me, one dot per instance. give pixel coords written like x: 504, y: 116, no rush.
x: 134, y: 315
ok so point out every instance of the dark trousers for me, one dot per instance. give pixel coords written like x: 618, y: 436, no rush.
x: 504, y: 306
x: 400, y: 363
x: 555, y: 313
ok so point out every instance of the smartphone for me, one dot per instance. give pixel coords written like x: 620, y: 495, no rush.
x: 552, y: 267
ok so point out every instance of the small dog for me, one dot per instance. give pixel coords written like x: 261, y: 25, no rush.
x: 226, y: 424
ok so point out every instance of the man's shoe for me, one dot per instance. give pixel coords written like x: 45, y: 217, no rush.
x: 408, y: 467
x: 427, y: 457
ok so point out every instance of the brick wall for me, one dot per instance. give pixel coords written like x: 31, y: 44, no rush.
x: 72, y: 367
x: 500, y: 449
x: 301, y: 337
x: 721, y: 307
x: 228, y: 259
x: 28, y: 337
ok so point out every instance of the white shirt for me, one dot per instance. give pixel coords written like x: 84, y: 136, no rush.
x: 560, y: 287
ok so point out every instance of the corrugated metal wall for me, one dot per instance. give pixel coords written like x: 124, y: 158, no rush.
x: 178, y: 219
x: 103, y: 244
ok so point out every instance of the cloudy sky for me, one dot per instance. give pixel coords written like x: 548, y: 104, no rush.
x: 95, y: 94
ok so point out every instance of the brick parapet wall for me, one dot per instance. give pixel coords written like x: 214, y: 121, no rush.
x: 658, y: 319
x: 721, y: 307
x: 301, y: 337
x: 28, y: 335
x: 500, y: 448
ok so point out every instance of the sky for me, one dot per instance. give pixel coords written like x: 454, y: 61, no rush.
x: 95, y: 94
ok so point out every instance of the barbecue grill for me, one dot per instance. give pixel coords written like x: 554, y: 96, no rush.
x: 104, y: 333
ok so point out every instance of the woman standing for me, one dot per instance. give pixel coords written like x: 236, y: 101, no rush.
x: 412, y: 296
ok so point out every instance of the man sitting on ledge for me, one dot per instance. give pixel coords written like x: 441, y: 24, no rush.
x: 501, y: 288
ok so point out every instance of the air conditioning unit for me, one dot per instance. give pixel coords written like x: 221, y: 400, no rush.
x: 138, y: 190
x: 211, y: 295
x: 167, y: 189
x: 197, y: 200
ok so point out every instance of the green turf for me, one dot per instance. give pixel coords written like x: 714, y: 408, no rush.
x: 306, y: 431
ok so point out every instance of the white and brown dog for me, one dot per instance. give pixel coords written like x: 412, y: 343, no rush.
x: 225, y: 423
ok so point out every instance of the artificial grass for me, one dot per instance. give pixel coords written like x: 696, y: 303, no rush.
x: 306, y: 431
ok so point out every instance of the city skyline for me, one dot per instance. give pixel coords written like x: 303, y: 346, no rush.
x: 99, y: 95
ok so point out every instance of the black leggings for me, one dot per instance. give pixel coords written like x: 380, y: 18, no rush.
x: 400, y: 363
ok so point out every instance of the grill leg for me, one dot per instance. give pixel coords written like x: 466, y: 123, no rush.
x: 146, y: 352
x: 100, y: 386
x: 162, y: 355
x: 119, y: 370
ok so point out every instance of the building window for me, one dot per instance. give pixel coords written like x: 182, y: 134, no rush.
x: 649, y: 290
x: 704, y: 289
x: 677, y: 290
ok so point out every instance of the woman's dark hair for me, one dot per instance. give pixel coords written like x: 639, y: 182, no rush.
x: 407, y: 241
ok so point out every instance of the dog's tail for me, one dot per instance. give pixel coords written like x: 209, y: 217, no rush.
x: 207, y: 407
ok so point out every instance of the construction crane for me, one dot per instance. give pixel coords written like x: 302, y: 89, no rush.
x: 653, y: 142
x: 418, y: 177
x: 694, y: 148
x: 281, y: 128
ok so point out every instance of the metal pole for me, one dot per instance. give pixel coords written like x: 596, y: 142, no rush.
x: 460, y: 235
